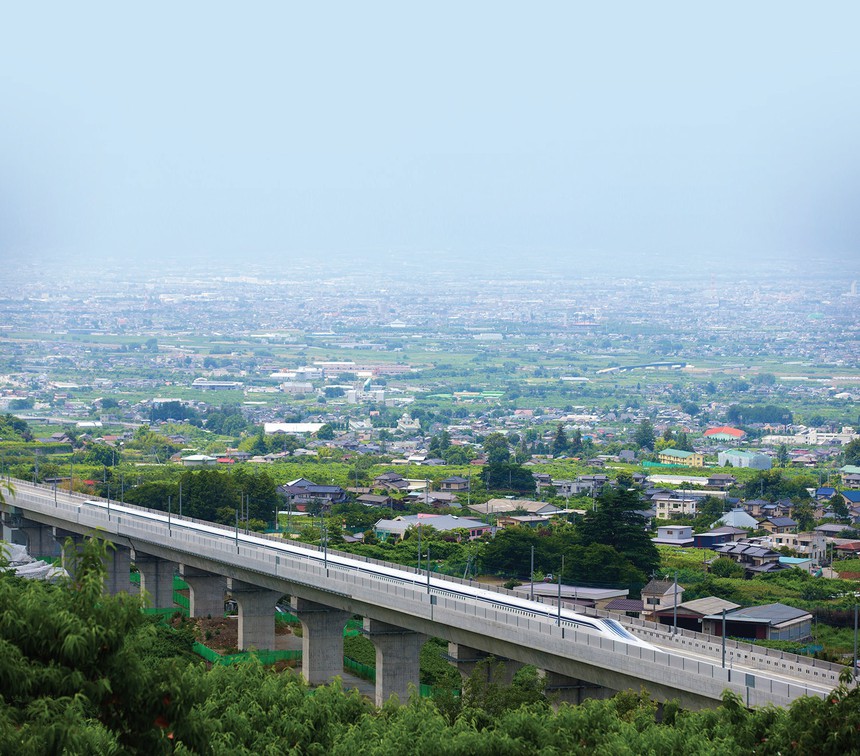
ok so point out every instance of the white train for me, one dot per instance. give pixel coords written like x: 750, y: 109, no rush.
x: 607, y: 628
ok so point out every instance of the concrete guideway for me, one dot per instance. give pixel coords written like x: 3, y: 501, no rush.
x: 399, y: 610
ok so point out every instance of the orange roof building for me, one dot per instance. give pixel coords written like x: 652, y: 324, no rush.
x: 725, y: 433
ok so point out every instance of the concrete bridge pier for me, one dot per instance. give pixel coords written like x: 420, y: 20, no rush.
x: 38, y: 538
x: 322, y: 640
x: 206, y: 591
x: 117, y: 560
x: 397, y: 659
x: 256, y: 614
x: 563, y: 689
x: 466, y: 659
x: 156, y: 579
x: 118, y: 566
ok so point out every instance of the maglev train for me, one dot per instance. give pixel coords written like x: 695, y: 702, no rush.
x: 608, y: 628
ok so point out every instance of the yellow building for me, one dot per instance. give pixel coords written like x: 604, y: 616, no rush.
x: 684, y: 458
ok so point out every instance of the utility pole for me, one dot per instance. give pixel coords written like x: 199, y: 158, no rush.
x: 855, y: 640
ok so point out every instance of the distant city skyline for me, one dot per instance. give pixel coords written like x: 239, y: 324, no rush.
x: 650, y: 141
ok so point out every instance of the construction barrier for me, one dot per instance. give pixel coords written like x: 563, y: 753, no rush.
x: 264, y: 657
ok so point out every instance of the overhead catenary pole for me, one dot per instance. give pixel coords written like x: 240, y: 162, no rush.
x: 532, y: 575
x: 559, y: 590
x: 724, y: 637
x: 675, y: 606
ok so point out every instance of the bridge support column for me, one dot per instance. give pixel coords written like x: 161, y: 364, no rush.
x: 156, y: 579
x: 117, y: 560
x: 563, y: 689
x: 397, y: 659
x: 118, y: 566
x: 466, y: 659
x: 206, y: 591
x: 256, y: 615
x: 322, y: 640
x: 39, y: 539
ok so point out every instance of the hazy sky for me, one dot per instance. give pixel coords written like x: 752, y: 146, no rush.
x: 660, y: 131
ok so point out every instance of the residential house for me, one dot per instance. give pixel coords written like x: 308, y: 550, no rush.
x: 753, y: 558
x: 680, y: 457
x: 627, y: 607
x: 721, y: 481
x: 574, y: 597
x: 375, y: 500
x: 588, y: 484
x: 454, y: 483
x: 718, y: 536
x: 800, y: 563
x: 755, y: 507
x: 506, y: 506
x: 691, y: 614
x: 768, y: 622
x: 397, y: 527
x: 778, y: 525
x: 391, y: 481
x: 436, y: 499
x: 824, y: 493
x: 851, y: 498
x: 660, y: 594
x: 810, y: 545
x: 850, y: 476
x: 542, y: 480
x: 531, y: 521
x: 737, y: 518
x: 674, y: 535
x: 301, y: 492
x: 830, y: 529
x: 846, y: 549
x: 670, y: 505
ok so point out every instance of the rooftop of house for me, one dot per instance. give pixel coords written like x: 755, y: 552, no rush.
x: 439, y: 522
x: 781, y: 522
x: 708, y: 605
x: 625, y: 605
x: 660, y: 587
x: 772, y: 614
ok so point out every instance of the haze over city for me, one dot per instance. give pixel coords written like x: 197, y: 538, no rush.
x: 659, y: 138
